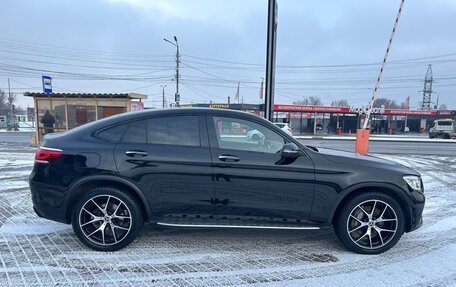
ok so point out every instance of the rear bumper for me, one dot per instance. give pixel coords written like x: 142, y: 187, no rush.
x: 48, y: 201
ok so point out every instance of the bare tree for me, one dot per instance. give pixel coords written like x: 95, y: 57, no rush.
x: 7, y: 100
x: 443, y: 107
x: 388, y: 104
x: 309, y: 101
x: 3, y: 99
x: 340, y: 103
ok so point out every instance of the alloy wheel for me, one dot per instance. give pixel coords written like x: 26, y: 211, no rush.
x: 105, y: 220
x: 372, y: 224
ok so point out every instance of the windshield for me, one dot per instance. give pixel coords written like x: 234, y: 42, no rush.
x: 445, y: 123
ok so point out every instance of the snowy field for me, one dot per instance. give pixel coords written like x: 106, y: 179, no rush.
x: 38, y: 252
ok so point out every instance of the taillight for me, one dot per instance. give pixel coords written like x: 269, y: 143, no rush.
x: 48, y: 155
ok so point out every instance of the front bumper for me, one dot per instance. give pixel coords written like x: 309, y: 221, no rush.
x: 416, y: 220
x: 415, y: 207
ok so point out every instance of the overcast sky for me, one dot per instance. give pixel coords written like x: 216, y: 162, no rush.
x: 322, y: 50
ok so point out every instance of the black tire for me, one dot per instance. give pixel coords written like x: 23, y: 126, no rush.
x: 431, y: 136
x: 381, y: 237
x: 95, y: 228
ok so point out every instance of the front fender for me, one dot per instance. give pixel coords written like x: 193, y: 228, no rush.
x: 391, y: 189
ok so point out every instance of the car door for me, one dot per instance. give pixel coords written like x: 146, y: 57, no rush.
x: 251, y: 177
x: 168, y: 158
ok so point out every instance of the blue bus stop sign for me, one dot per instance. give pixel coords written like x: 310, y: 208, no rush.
x: 47, y: 85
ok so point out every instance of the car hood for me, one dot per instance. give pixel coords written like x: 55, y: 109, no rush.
x: 351, y: 158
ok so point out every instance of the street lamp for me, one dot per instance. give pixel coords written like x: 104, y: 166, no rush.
x: 176, y: 44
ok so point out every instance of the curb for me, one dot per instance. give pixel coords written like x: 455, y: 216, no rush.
x: 379, y: 139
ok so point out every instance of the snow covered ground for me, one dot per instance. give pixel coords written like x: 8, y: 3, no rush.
x: 38, y: 252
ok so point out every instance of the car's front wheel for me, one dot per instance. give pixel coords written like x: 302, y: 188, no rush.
x: 370, y: 223
x: 107, y: 219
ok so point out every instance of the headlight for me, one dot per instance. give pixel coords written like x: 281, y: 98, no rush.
x: 414, y: 182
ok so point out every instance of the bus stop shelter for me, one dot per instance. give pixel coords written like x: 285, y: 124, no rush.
x: 74, y: 109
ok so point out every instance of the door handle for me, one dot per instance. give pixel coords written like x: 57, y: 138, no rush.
x: 135, y: 153
x: 229, y: 158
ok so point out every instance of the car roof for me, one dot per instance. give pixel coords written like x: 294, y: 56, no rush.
x: 124, y: 117
x: 183, y: 111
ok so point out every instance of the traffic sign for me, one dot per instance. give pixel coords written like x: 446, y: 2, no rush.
x: 47, y: 85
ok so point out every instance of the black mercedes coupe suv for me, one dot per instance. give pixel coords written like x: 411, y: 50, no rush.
x: 194, y: 167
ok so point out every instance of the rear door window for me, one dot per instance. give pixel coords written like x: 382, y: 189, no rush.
x: 113, y: 134
x: 174, y: 130
x: 136, y: 132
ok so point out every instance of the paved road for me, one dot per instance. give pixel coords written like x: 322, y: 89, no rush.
x: 389, y: 147
x: 16, y: 137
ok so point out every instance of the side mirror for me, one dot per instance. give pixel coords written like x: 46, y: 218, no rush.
x: 290, y: 150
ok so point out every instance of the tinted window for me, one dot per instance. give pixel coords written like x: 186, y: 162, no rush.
x: 136, y: 132
x: 445, y: 123
x: 245, y: 135
x: 113, y: 134
x: 178, y: 130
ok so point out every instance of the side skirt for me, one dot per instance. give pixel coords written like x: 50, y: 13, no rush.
x: 254, y: 222
x: 239, y: 226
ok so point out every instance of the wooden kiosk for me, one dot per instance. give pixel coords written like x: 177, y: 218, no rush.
x: 74, y: 109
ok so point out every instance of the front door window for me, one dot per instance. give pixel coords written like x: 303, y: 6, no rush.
x: 238, y: 134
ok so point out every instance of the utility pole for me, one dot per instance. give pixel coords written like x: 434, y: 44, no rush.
x: 163, y: 95
x: 10, y: 98
x: 427, y: 91
x: 176, y: 44
x: 229, y: 101
x: 270, y: 59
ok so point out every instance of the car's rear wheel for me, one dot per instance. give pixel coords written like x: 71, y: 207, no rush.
x: 370, y: 223
x: 107, y: 219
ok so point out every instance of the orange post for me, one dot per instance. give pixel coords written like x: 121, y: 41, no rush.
x: 362, y: 141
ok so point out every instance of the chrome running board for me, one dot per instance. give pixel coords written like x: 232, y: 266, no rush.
x: 239, y: 226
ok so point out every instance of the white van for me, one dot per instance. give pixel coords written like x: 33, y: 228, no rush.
x: 443, y: 128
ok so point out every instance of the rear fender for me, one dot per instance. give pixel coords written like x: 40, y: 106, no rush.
x: 105, y: 180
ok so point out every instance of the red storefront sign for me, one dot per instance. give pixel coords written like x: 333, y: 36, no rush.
x: 310, y: 109
x: 348, y: 110
x: 409, y: 112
